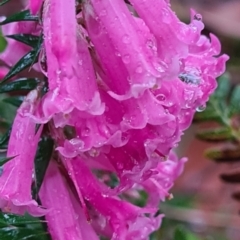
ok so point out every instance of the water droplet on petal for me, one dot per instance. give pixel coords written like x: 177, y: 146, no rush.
x: 58, y: 72
x: 85, y: 132
x: 160, y: 97
x: 120, y: 165
x: 103, y: 13
x: 126, y: 39
x: 94, y: 152
x: 201, y: 108
x: 126, y: 59
x: 139, y: 69
x: 118, y: 54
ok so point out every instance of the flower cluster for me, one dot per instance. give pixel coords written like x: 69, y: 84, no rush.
x: 124, y: 81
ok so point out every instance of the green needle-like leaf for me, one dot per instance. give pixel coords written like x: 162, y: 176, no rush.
x: 217, y: 108
x: 224, y: 153
x: 14, y: 227
x: 43, y: 156
x: 28, y: 39
x: 20, y: 16
x: 5, y: 160
x: 25, y: 62
x: 215, y: 134
x: 3, y: 2
x: 19, y: 85
x: 15, y: 101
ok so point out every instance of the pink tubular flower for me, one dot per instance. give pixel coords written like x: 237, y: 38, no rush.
x: 124, y: 82
x: 65, y: 219
x: 118, y: 216
x: 72, y: 82
x: 125, y: 57
x: 16, y: 178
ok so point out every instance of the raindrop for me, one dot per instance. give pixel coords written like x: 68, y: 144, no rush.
x: 160, y: 97
x: 103, y: 13
x: 126, y: 39
x: 58, y: 72
x: 94, y: 152
x: 150, y: 44
x: 126, y: 59
x: 120, y: 165
x: 139, y: 69
x: 85, y: 132
x: 201, y: 108
x: 118, y: 54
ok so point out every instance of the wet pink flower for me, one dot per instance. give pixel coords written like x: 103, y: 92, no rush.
x: 16, y: 175
x: 68, y: 65
x: 118, y: 216
x: 124, y: 83
x: 65, y: 219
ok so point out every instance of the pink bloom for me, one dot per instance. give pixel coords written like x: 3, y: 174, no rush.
x: 158, y: 185
x: 72, y: 82
x: 127, y: 61
x: 123, y: 85
x: 65, y: 219
x: 119, y: 216
x: 16, y: 179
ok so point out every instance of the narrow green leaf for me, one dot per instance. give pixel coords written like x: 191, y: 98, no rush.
x: 3, y: 2
x: 15, y: 101
x: 20, y: 16
x: 37, y: 49
x: 43, y: 156
x: 217, y: 109
x: 224, y: 153
x: 208, y: 115
x: 22, y: 64
x: 19, y: 85
x: 215, y: 134
x: 14, y: 227
x: 28, y: 39
x: 5, y: 160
